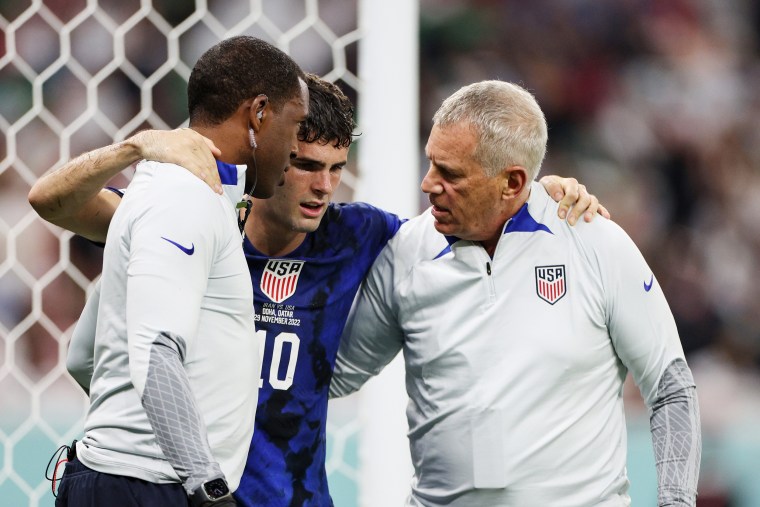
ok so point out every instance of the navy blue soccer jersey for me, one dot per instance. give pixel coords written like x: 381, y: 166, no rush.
x: 302, y: 301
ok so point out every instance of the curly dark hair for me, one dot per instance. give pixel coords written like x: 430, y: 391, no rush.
x: 331, y: 114
x: 235, y: 70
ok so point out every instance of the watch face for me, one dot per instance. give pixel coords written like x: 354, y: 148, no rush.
x: 216, y: 488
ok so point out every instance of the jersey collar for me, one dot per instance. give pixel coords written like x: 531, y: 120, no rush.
x: 522, y: 221
x: 233, y: 180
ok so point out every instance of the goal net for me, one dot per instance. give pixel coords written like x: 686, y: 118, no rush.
x: 79, y: 74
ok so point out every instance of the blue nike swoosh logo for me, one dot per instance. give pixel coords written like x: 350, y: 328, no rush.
x: 188, y: 251
x: 648, y: 286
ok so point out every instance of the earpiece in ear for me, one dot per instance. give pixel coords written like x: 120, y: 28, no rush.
x: 260, y: 115
x: 252, y: 137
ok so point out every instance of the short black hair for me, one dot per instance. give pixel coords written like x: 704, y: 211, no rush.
x: 235, y: 70
x: 331, y: 114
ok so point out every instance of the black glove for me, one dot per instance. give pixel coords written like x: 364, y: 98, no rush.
x: 213, y: 493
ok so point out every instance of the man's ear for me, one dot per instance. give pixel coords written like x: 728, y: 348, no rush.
x: 259, y: 111
x: 515, y: 179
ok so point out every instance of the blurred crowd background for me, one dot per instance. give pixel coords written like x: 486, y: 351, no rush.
x: 653, y: 104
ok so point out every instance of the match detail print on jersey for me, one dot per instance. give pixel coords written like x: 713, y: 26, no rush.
x: 551, y: 283
x: 280, y: 278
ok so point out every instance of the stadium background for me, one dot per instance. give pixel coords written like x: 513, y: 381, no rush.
x: 654, y: 105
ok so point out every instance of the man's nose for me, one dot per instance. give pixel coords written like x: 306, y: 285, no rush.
x: 430, y: 184
x: 322, y: 182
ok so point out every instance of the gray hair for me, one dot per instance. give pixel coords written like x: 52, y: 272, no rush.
x: 511, y: 128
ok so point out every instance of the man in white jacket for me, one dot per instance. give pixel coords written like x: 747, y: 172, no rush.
x: 171, y: 408
x: 517, y: 330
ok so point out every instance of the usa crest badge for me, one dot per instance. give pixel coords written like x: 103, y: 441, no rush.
x: 280, y: 279
x: 551, y: 283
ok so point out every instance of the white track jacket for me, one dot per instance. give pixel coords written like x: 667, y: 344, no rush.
x: 514, y: 365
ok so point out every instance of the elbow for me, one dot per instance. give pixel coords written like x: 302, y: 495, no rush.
x: 345, y: 380
x: 80, y: 371
x: 42, y: 203
x: 35, y: 198
x: 76, y: 366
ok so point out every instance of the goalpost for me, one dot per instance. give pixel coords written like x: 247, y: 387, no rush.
x: 75, y: 75
x: 390, y: 179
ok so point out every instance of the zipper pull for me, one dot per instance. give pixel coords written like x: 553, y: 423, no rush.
x: 488, y: 268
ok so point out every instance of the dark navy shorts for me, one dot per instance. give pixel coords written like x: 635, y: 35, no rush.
x: 83, y: 487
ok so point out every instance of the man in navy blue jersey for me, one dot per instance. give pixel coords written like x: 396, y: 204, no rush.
x: 307, y: 257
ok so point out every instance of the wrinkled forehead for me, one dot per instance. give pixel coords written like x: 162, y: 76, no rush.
x: 454, y: 141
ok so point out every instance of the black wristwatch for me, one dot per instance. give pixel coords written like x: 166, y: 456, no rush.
x: 210, y: 492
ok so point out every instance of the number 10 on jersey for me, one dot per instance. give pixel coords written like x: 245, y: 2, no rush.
x: 283, y: 342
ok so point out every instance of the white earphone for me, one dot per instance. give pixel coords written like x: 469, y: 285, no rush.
x: 252, y: 137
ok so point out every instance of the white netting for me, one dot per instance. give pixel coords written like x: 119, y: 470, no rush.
x: 76, y: 75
